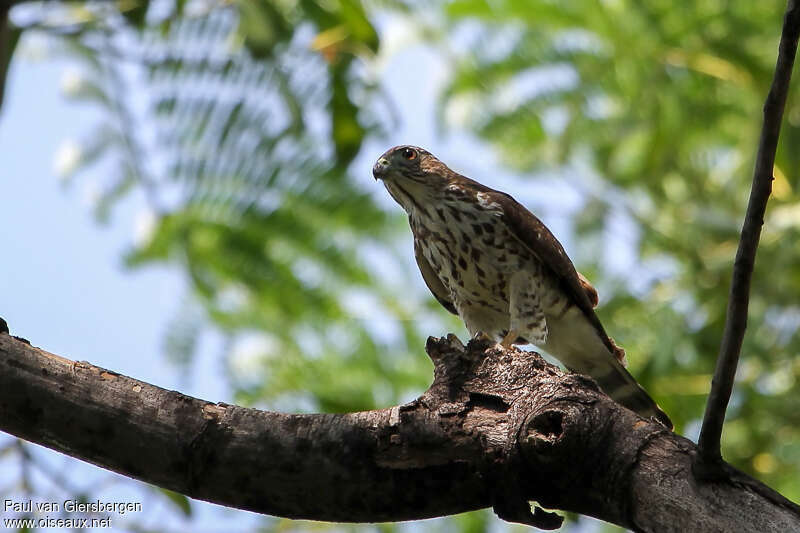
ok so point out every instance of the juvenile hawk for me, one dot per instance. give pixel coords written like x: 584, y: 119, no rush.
x: 493, y: 263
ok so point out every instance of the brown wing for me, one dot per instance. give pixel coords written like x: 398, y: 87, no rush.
x: 534, y: 234
x: 432, y: 280
x: 531, y: 232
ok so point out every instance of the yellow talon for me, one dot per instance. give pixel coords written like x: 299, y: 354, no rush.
x: 509, y: 339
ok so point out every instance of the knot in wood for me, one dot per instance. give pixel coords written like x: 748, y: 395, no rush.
x: 547, y: 426
x: 553, y: 434
x: 542, y: 431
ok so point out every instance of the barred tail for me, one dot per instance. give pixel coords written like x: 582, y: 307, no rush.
x: 623, y: 388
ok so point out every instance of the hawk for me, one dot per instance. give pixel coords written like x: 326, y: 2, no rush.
x: 490, y: 261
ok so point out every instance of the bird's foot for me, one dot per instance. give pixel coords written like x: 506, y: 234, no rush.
x: 509, y: 339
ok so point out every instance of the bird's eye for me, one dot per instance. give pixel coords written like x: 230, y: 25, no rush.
x: 409, y: 153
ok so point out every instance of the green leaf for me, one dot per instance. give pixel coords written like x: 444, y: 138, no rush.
x: 178, y: 500
x: 348, y: 133
x: 262, y: 26
x: 135, y: 12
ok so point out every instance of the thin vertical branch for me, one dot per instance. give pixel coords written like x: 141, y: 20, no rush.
x: 6, y: 47
x: 736, y: 318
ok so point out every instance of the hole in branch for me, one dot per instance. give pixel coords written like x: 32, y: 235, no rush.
x: 488, y: 401
x: 548, y: 425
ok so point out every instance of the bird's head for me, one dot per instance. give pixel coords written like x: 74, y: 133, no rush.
x: 412, y: 163
x: 409, y: 173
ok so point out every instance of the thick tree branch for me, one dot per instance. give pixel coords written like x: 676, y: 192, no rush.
x: 496, y: 429
x: 736, y: 318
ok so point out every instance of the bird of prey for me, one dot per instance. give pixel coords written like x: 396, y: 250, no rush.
x: 493, y: 263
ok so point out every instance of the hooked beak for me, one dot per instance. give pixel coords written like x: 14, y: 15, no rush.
x: 380, y: 169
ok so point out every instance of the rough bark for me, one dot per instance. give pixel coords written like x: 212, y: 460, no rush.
x: 497, y: 428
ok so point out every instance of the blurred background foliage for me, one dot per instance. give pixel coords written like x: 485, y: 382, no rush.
x: 241, y: 121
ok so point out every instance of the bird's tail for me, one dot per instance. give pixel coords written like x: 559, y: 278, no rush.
x: 623, y: 388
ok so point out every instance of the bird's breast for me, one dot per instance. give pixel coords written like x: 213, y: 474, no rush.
x: 472, y: 251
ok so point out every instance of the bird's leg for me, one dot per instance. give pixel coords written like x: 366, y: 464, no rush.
x: 526, y: 317
x: 482, y: 336
x: 509, y: 339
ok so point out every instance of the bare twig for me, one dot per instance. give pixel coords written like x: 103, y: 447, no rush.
x: 736, y: 319
x: 7, y: 42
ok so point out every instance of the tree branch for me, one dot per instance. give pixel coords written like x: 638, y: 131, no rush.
x: 736, y: 317
x: 8, y: 41
x: 496, y: 429
x: 7, y: 4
